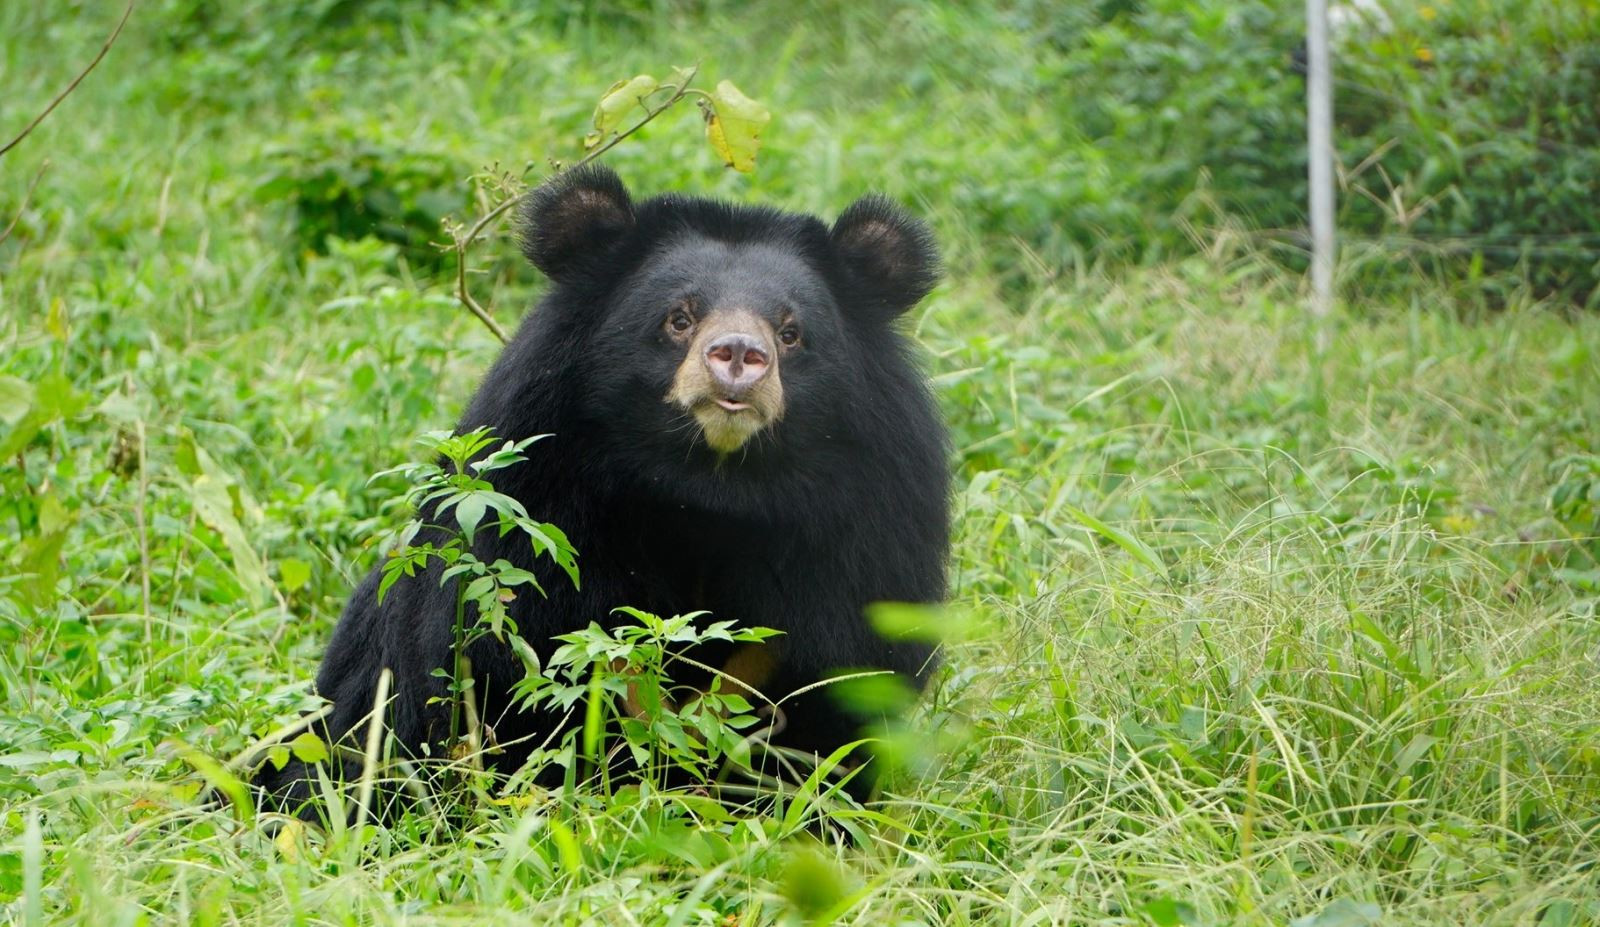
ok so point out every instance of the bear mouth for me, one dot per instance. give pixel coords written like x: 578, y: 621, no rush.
x: 727, y: 424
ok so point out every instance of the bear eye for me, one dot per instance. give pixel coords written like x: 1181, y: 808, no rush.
x: 679, y: 321
x: 790, y: 336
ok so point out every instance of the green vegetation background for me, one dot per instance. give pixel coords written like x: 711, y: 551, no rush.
x: 1266, y: 635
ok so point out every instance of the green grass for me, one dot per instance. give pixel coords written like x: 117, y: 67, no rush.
x: 1256, y: 635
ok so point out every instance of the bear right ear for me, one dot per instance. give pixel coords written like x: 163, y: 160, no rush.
x: 573, y: 219
x: 889, y: 255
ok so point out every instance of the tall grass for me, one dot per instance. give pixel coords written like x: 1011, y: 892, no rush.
x: 1253, y: 635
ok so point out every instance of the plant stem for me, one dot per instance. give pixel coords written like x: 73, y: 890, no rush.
x: 457, y: 649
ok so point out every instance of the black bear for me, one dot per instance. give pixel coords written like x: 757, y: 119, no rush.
x: 737, y: 427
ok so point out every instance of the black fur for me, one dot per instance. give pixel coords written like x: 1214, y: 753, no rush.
x: 842, y: 503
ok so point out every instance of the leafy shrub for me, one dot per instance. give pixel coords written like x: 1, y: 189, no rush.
x: 1470, y: 131
x: 264, y: 23
x: 348, y: 184
x: 1482, y: 123
x: 1190, y: 94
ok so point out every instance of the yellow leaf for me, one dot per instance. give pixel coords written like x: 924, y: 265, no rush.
x: 733, y: 126
x: 521, y: 802
x: 55, y: 320
x: 288, y: 840
x: 614, y: 105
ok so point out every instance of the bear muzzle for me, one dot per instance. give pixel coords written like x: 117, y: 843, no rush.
x: 729, y: 380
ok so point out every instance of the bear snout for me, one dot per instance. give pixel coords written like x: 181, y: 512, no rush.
x: 737, y: 361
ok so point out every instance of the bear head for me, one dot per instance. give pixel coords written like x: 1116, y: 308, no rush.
x: 705, y: 331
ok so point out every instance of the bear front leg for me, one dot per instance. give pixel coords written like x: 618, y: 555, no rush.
x: 406, y: 634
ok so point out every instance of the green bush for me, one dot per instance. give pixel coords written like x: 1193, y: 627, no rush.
x: 1187, y: 96
x: 1487, y: 115
x: 1469, y: 130
x: 350, y: 184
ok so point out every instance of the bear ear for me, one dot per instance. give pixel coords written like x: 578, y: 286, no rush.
x: 573, y: 220
x: 888, y: 255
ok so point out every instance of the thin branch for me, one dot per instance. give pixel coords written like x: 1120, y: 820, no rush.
x: 110, y: 40
x: 678, y: 93
x: 465, y: 240
x: 25, y: 198
x: 465, y: 295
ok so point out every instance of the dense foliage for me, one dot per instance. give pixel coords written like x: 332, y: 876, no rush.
x: 1252, y: 635
x: 1468, y: 133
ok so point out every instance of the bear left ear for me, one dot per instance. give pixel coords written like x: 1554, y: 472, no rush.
x: 889, y: 256
x: 569, y: 224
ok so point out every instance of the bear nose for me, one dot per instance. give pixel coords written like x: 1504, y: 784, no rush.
x: 737, y: 362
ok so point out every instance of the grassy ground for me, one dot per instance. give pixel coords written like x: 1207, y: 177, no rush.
x: 1258, y: 636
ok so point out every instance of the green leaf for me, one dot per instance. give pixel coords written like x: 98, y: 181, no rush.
x: 592, y: 715
x: 566, y: 846
x: 217, y: 500
x: 813, y: 884
x: 293, y: 574
x: 614, y: 105
x: 733, y: 126
x: 392, y: 571
x: 873, y: 695
x: 214, y: 505
x: 468, y: 564
x: 512, y: 576
x: 18, y: 436
x: 25, y: 409
x: 479, y: 588
x: 289, y: 838
x: 1559, y: 913
x: 219, y: 778
x: 39, y: 555
x: 469, y: 513
x: 735, y: 702
x: 16, y: 399
x: 906, y: 621
x: 528, y: 656
x: 1343, y: 912
x: 309, y: 748
x: 56, y: 398
x: 55, y: 319
x: 1140, y: 551
x: 363, y: 378
x: 1166, y: 912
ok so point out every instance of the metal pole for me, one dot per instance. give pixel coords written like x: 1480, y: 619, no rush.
x: 1319, y: 121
